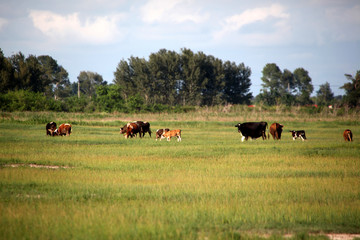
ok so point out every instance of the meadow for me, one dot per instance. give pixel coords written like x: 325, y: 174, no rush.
x: 96, y: 184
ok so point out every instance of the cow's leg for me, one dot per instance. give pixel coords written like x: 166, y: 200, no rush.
x: 242, y: 138
x: 302, y: 138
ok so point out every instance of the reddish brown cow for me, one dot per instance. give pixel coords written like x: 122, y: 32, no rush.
x: 64, y: 129
x: 348, y: 135
x: 173, y: 133
x: 276, y: 130
x: 130, y: 129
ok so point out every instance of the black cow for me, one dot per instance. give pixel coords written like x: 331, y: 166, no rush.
x: 252, y: 129
x: 144, y: 127
x: 299, y: 133
x: 50, y: 128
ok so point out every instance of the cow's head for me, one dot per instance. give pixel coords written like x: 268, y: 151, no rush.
x: 55, y: 133
x: 123, y: 130
x: 238, y: 126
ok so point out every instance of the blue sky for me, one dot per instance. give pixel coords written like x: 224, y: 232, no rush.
x: 322, y: 36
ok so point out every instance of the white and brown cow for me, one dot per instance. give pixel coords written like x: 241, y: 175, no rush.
x: 160, y: 132
x: 64, y: 129
x: 130, y: 130
x: 298, y: 134
x: 173, y: 133
x: 348, y: 136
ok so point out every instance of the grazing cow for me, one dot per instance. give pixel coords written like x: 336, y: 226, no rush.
x: 348, y: 135
x: 300, y: 134
x: 50, y: 128
x: 130, y: 129
x: 144, y: 128
x: 252, y: 129
x: 173, y: 133
x: 276, y: 130
x: 64, y: 129
x: 160, y: 132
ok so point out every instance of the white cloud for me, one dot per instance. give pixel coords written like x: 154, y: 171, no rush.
x: 176, y: 11
x: 274, y: 31
x: 3, y: 23
x: 97, y: 30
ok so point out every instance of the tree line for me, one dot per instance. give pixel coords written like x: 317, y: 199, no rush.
x: 167, y: 80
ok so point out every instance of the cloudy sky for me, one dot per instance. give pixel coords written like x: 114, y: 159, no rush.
x: 322, y: 36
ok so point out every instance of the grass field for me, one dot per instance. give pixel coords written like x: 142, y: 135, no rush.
x: 209, y: 186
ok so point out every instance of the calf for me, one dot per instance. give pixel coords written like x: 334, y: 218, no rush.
x: 300, y: 134
x: 64, y: 129
x: 50, y: 128
x: 173, y: 133
x: 348, y: 135
x: 160, y: 132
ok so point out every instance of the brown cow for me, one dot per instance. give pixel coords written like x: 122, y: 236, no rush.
x: 348, y: 135
x: 130, y: 129
x: 276, y: 130
x: 160, y: 132
x: 173, y: 133
x: 50, y: 128
x: 64, y: 129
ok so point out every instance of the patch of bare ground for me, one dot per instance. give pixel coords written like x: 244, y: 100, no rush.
x: 342, y: 236
x: 331, y: 236
x: 36, y: 166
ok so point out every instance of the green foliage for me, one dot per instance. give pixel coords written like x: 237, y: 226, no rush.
x: 187, y: 78
x: 352, y: 89
x: 285, y: 87
x: 25, y: 101
x: 324, y: 95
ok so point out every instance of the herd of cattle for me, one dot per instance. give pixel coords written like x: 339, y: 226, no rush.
x: 248, y: 130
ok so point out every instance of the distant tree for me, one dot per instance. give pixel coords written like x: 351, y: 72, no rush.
x: 271, y: 91
x: 303, y: 86
x: 56, y: 77
x: 124, y: 78
x: 187, y: 78
x: 192, y: 74
x: 164, y: 73
x: 237, y: 83
x: 89, y: 81
x: 27, y: 73
x: 285, y: 87
x: 352, y: 90
x: 324, y: 95
x: 7, y: 81
x: 108, y: 98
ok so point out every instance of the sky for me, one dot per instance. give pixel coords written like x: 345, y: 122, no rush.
x: 321, y: 36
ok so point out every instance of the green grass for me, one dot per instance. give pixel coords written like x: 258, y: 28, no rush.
x: 209, y: 186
